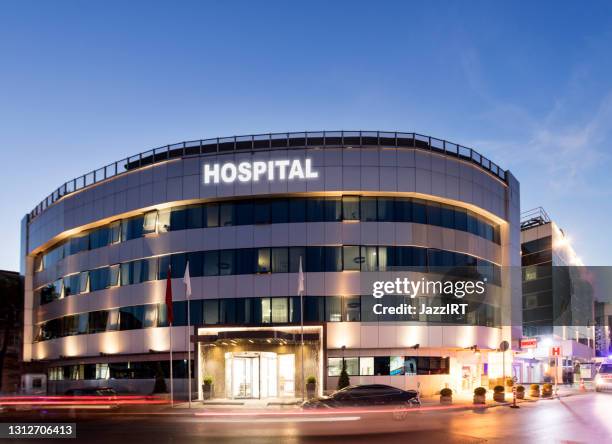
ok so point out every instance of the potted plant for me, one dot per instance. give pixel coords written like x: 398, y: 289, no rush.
x: 509, y: 382
x: 446, y: 396
x: 344, y: 380
x: 520, y: 392
x: 207, y: 388
x: 534, y: 390
x: 480, y: 395
x: 311, y: 386
x: 499, y: 393
x: 547, y: 390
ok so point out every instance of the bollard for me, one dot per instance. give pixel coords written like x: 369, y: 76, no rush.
x: 514, y: 406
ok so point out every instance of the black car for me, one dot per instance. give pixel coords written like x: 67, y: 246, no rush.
x: 366, y: 396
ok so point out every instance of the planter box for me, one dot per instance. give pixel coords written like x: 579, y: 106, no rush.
x: 546, y: 394
x: 480, y: 399
x: 446, y: 400
x: 520, y: 395
x: 534, y: 394
x: 207, y: 391
x: 499, y: 397
x: 311, y: 390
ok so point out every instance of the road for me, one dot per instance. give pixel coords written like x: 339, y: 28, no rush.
x: 580, y: 418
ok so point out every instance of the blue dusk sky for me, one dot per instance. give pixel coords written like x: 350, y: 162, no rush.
x: 528, y: 84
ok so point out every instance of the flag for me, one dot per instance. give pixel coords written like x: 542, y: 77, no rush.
x: 170, y: 313
x: 301, y: 279
x: 187, y: 281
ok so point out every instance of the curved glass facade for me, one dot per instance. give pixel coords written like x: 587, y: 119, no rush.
x: 272, y: 211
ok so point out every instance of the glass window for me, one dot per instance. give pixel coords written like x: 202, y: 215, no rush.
x: 266, y: 315
x: 279, y: 211
x: 211, y: 263
x: 280, y: 260
x: 211, y: 311
x: 352, y: 308
x: 460, y: 219
x: 149, y: 224
x: 226, y: 262
x: 382, y: 365
x: 126, y: 273
x: 297, y: 210
x: 333, y: 258
x: 396, y: 365
x: 211, y: 215
x: 226, y: 214
x: 246, y: 261
x: 196, y: 263
x: 370, y: 259
x: 419, y: 211
x: 333, y: 308
x: 403, y: 209
x: 280, y: 309
x: 295, y: 253
x: 352, y: 257
x: 150, y: 316
x: 368, y: 209
x: 112, y: 320
x: 447, y: 216
x: 386, y: 258
x: 84, y: 282
x: 352, y: 366
x: 98, y: 321
x: 315, y: 209
x: 472, y: 224
x: 386, y: 209
x: 178, y: 218
x: 334, y: 366
x: 71, y: 285
x: 314, y: 259
x: 243, y: 212
x: 195, y: 218
x: 261, y: 212
x: 333, y: 209
x: 263, y: 260
x: 113, y: 275
x: 163, y: 220
x: 350, y: 207
x: 179, y: 262
x: 366, y: 366
x: 99, y: 238
x: 434, y: 216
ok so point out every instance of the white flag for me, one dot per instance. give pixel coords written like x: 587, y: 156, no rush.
x: 187, y: 281
x: 301, y: 279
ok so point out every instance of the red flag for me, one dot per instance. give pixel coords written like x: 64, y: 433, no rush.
x: 170, y: 313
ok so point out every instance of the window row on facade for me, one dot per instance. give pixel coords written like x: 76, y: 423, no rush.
x: 271, y: 211
x: 389, y: 365
x: 119, y: 370
x: 271, y: 260
x: 253, y: 312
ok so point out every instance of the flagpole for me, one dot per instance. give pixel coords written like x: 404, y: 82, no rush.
x: 301, y: 291
x: 186, y: 279
x: 171, y: 379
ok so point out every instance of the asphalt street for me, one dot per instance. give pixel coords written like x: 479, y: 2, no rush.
x: 583, y: 418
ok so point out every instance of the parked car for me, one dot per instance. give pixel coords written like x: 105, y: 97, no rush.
x: 91, y: 391
x: 366, y: 395
x: 603, y: 378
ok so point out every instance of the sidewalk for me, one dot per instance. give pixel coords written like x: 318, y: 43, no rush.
x: 427, y: 403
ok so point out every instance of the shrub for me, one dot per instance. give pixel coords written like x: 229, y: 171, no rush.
x: 208, y: 380
x: 520, y: 388
x: 509, y: 382
x: 344, y: 380
x: 480, y: 391
x: 534, y: 387
x: 498, y: 389
x: 311, y: 380
x: 547, y: 387
x: 446, y: 392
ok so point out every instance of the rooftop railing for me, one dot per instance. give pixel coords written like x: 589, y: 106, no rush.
x: 534, y: 218
x: 262, y: 142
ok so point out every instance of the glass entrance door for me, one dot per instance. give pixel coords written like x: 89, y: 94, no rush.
x: 245, y: 377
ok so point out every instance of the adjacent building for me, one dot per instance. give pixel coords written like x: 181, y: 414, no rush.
x: 558, y: 303
x: 257, y: 218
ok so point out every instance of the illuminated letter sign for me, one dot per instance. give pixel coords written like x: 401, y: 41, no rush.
x: 255, y: 171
